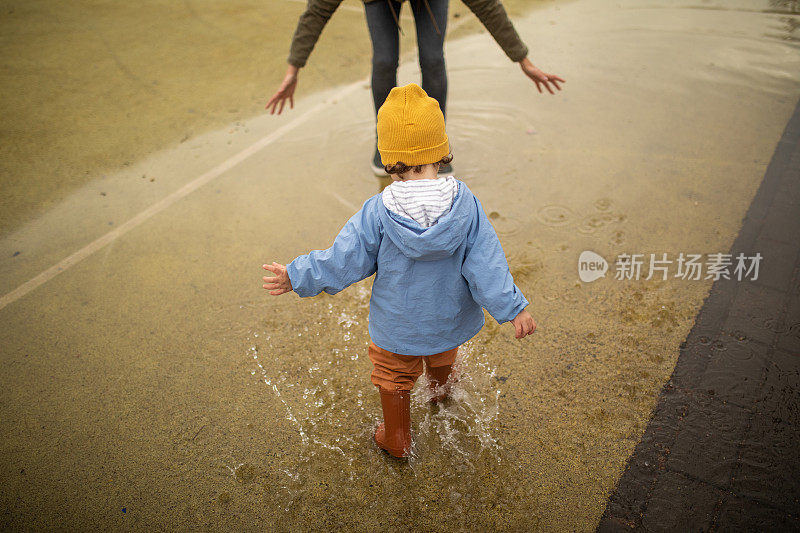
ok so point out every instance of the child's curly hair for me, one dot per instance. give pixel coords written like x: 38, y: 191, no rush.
x: 402, y: 168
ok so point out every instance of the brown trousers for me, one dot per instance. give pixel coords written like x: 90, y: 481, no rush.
x: 393, y: 371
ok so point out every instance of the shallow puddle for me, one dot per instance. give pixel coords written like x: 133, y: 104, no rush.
x: 213, y: 406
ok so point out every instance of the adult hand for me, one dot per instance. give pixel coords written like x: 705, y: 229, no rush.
x: 286, y: 90
x: 539, y: 77
x: 523, y: 324
x: 280, y: 282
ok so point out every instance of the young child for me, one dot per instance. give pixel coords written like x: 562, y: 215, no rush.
x: 436, y: 258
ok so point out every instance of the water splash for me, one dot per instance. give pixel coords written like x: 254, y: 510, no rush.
x: 334, y: 410
x: 274, y: 386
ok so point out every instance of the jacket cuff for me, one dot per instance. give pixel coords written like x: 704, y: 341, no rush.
x: 518, y: 53
x: 295, y: 278
x: 296, y: 62
x: 517, y: 309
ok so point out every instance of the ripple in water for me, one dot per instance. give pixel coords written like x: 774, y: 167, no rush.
x: 603, y: 204
x: 793, y: 330
x: 592, y: 223
x: 555, y: 215
x: 505, y: 226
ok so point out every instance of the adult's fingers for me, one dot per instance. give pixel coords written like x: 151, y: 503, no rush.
x: 280, y: 99
x: 517, y: 330
x: 273, y: 101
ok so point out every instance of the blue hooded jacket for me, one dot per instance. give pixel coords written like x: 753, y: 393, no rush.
x: 430, y: 283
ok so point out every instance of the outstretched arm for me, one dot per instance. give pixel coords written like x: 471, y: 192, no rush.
x: 494, y: 17
x: 309, y: 28
x: 352, y: 257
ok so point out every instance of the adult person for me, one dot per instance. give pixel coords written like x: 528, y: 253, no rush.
x: 430, y: 19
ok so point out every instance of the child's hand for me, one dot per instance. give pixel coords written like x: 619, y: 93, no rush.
x: 280, y: 282
x: 523, y: 324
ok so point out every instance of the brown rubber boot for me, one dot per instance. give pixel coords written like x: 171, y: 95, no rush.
x: 394, y: 434
x: 437, y: 378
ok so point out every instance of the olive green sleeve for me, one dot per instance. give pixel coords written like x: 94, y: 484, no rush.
x: 309, y: 27
x: 494, y: 17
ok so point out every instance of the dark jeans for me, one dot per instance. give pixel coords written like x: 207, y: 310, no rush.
x: 386, y: 47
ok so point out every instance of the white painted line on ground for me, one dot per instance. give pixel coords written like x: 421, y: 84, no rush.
x: 159, y: 206
x: 344, y: 202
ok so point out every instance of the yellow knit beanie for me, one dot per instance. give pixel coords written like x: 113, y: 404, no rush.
x: 411, y: 128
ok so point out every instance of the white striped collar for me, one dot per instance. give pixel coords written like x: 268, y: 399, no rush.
x: 423, y: 201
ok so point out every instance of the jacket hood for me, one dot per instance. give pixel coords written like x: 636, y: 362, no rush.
x: 436, y: 242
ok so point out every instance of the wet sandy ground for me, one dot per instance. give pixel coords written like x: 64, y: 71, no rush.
x: 90, y: 87
x: 152, y: 384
